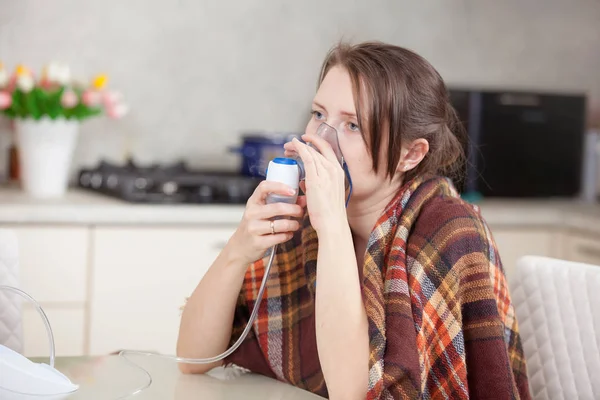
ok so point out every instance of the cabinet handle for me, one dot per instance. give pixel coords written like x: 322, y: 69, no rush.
x: 590, y: 251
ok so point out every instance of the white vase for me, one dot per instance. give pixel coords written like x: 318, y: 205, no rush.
x: 45, y: 152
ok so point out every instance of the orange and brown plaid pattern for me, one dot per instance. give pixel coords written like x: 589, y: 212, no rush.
x: 441, y: 323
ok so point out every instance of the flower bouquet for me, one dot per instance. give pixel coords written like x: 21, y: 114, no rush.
x: 47, y: 112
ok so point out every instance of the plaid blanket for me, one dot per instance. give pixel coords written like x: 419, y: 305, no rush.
x: 441, y: 323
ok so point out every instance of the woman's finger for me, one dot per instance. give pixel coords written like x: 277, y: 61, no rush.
x: 281, y: 226
x: 301, y: 200
x: 322, y: 146
x: 272, y: 227
x: 290, y: 153
x: 288, y: 146
x: 307, y: 159
x: 265, y: 187
x: 273, y: 210
x: 320, y: 161
x: 268, y: 241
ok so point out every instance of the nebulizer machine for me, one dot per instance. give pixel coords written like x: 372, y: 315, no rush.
x: 21, y: 378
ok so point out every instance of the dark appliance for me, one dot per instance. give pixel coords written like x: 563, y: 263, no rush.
x: 522, y: 144
x: 257, y: 149
x: 171, y: 184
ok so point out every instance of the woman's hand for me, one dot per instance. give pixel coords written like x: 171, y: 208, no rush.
x: 324, y: 181
x: 255, y: 234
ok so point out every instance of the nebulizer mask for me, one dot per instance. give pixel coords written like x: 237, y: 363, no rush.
x: 330, y: 135
x: 43, y: 381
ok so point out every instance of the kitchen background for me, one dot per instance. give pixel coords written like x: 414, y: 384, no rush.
x: 199, y: 75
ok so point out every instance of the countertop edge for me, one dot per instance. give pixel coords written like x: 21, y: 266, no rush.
x: 84, y: 208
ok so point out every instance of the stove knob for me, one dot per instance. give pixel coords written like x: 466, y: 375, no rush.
x: 205, y: 192
x: 96, y: 181
x: 112, y: 181
x: 141, y: 183
x: 85, y: 179
x: 169, y: 188
x: 233, y: 192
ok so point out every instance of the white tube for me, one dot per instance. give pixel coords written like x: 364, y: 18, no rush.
x: 40, y: 310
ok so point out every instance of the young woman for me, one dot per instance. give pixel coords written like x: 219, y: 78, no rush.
x: 399, y: 294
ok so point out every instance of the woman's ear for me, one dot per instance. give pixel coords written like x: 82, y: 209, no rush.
x: 413, y: 154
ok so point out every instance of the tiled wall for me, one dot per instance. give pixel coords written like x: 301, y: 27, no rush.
x: 197, y: 73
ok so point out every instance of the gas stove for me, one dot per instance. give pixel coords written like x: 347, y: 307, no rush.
x: 172, y: 184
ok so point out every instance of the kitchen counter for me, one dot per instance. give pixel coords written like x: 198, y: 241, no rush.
x: 81, y: 207
x: 551, y: 213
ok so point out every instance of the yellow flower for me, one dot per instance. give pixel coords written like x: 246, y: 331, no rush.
x: 99, y: 82
x: 22, y: 70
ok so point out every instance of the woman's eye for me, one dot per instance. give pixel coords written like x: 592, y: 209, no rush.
x: 353, y: 127
x: 318, y: 115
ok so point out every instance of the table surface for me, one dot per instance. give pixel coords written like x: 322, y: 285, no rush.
x: 113, y: 377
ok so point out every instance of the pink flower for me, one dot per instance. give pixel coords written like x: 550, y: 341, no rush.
x: 12, y: 83
x: 45, y: 83
x: 91, y: 98
x: 69, y: 99
x: 5, y: 100
x: 117, y: 111
x: 111, y: 98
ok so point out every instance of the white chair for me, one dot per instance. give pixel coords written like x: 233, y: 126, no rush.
x: 11, y: 331
x: 558, y: 308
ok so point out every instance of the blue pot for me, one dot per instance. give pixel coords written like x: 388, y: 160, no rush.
x: 258, y: 149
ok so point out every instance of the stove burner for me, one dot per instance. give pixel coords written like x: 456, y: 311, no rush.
x: 175, y: 183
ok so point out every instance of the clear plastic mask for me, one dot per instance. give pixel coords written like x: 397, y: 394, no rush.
x: 330, y: 135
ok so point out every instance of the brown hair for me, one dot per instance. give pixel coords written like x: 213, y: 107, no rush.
x: 406, y: 99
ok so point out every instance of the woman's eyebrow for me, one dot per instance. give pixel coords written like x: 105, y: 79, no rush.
x: 346, y: 113
x: 319, y: 105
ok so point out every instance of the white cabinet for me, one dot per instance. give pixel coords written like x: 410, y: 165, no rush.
x: 582, y: 248
x: 53, y: 262
x: 68, y: 327
x: 141, y: 277
x: 514, y: 243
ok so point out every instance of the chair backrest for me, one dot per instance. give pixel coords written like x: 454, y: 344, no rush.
x: 11, y: 330
x: 557, y: 304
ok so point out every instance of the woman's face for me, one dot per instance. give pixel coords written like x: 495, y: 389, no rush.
x: 334, y: 104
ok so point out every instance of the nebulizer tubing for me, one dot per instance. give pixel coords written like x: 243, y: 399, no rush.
x: 123, y: 353
x: 40, y: 311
